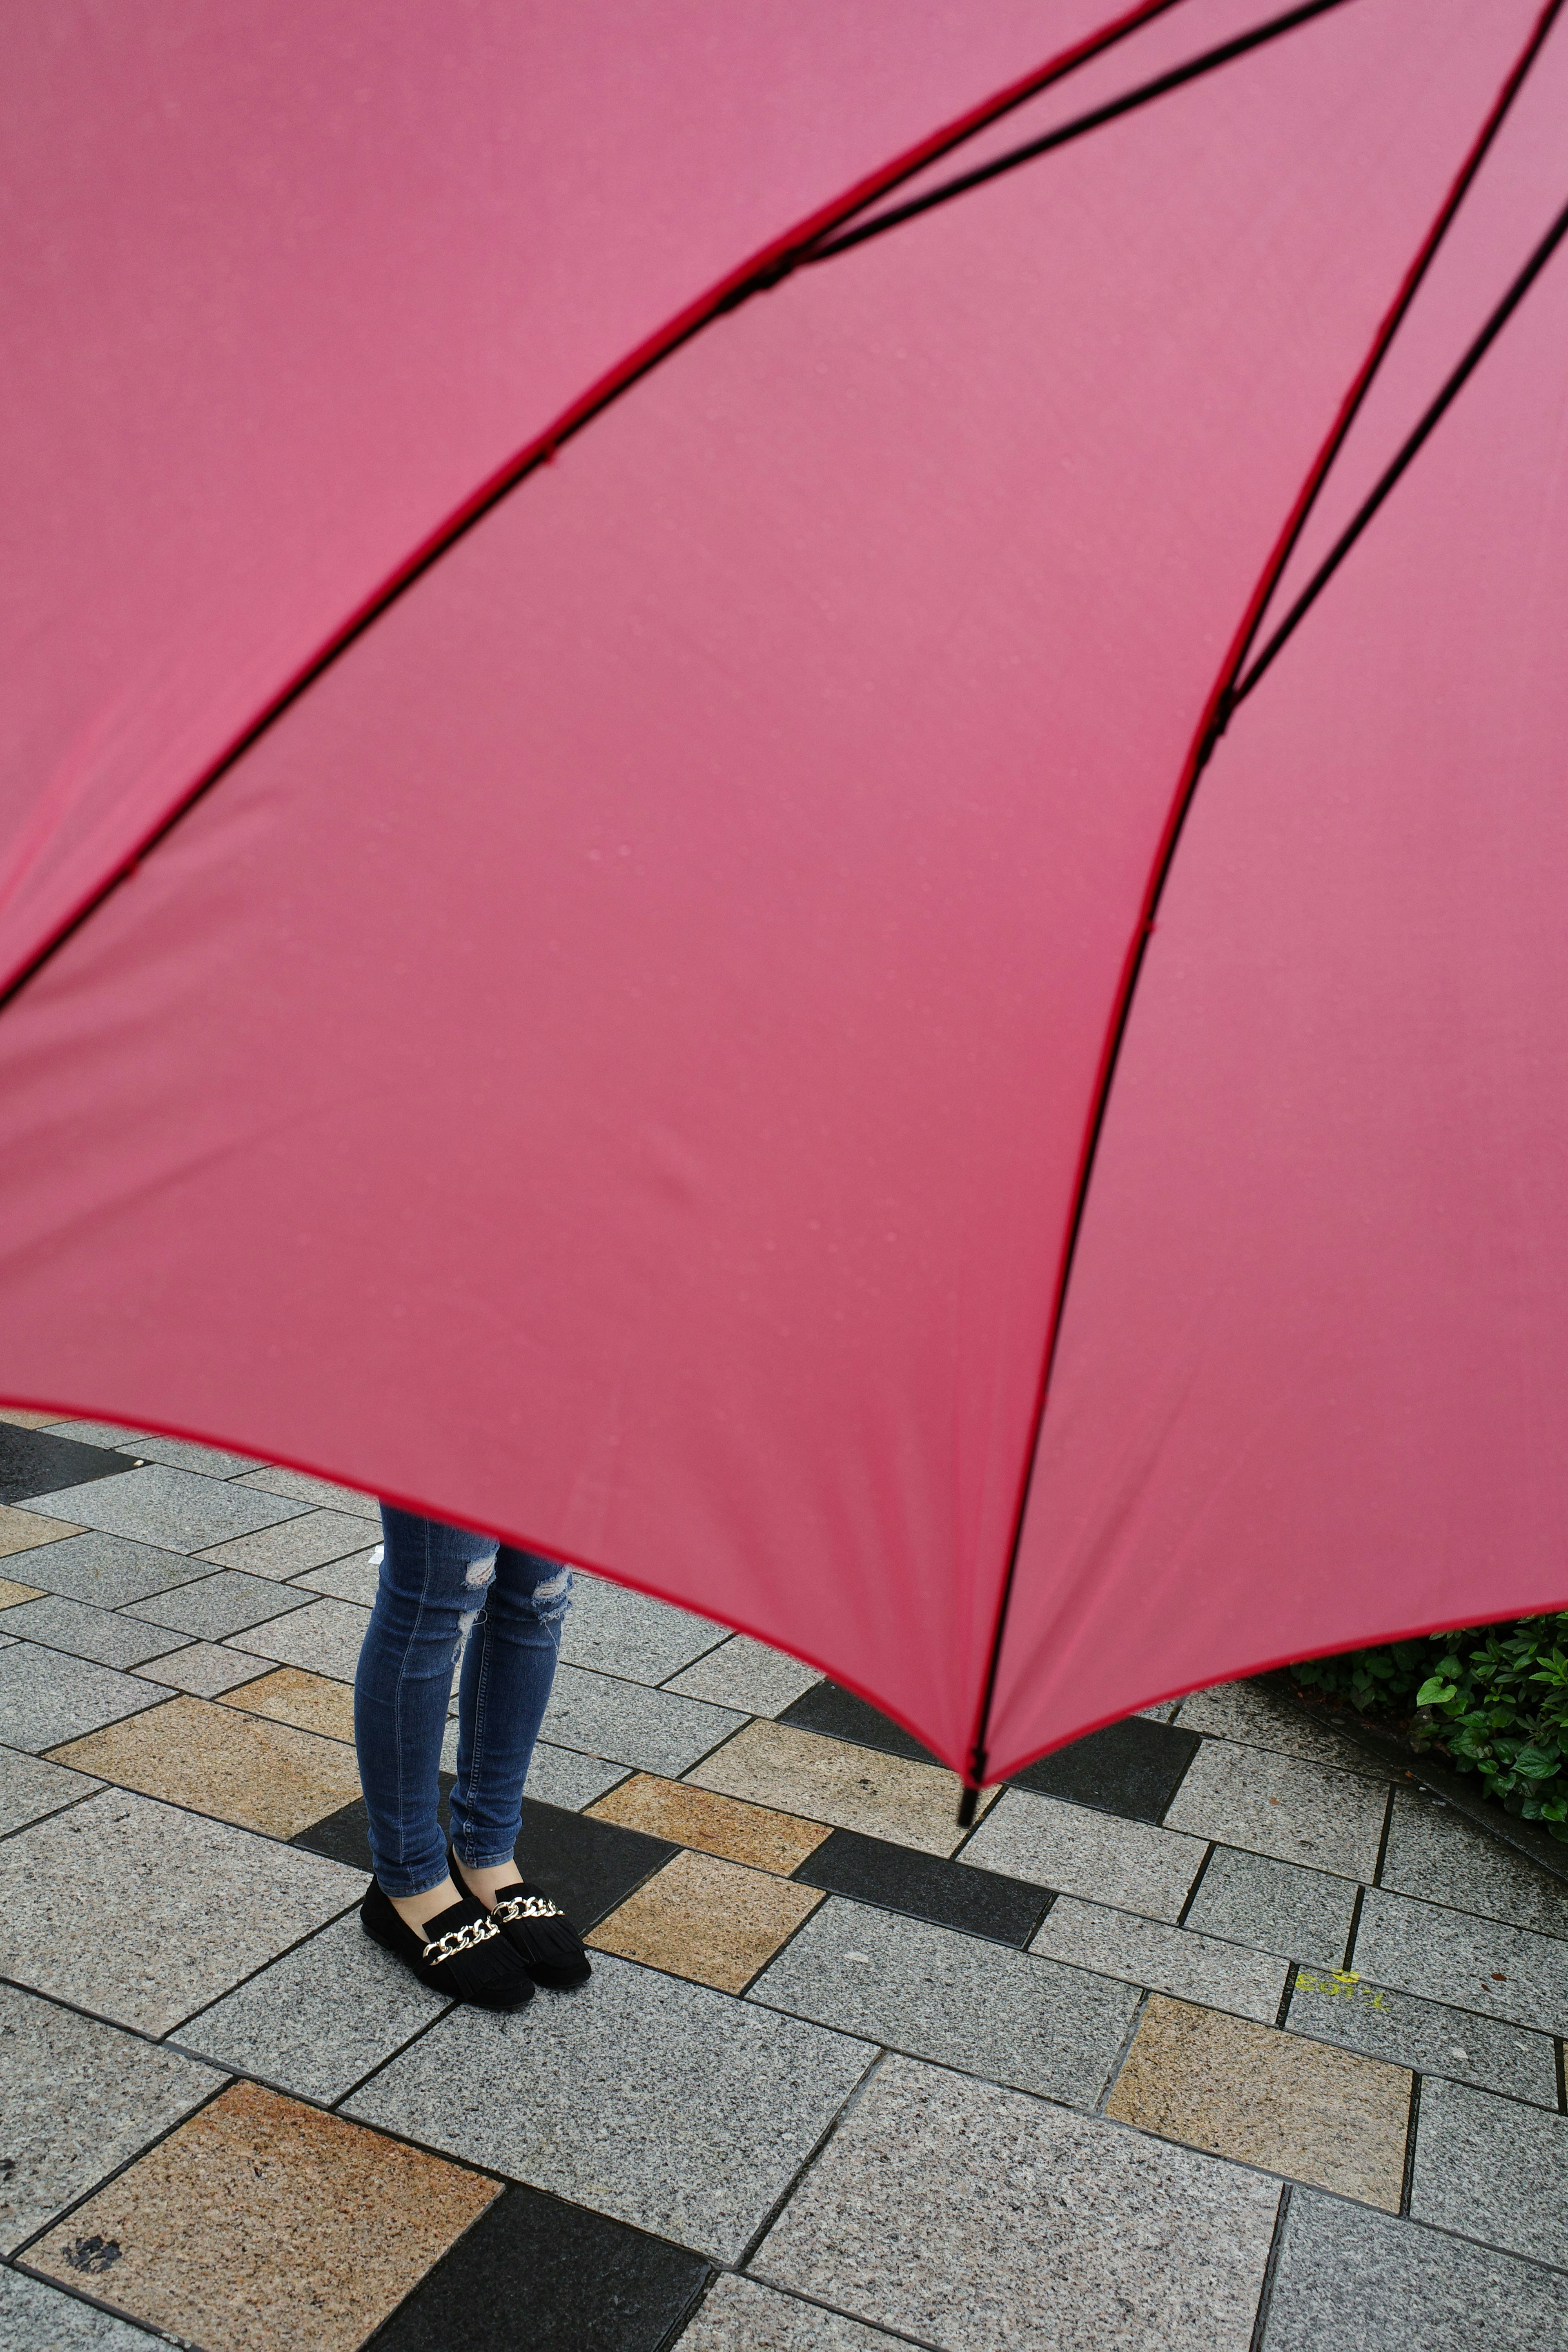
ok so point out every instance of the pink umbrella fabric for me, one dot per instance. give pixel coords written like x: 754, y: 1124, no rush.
x: 637, y: 904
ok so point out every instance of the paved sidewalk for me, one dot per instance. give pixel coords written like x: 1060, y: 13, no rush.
x: 1212, y: 2034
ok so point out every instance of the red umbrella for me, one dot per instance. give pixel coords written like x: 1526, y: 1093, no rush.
x: 605, y: 671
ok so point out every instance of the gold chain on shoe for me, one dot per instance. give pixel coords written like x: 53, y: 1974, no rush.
x: 459, y: 1939
x: 526, y: 1906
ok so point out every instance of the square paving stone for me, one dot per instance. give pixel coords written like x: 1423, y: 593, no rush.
x: 318, y: 2020
x: 177, y: 1508
x: 293, y: 1546
x: 753, y: 1834
x: 1133, y: 1769
x: 1255, y: 1717
x: 1165, y: 1960
x: 1354, y: 2280
x: 850, y: 1788
x: 218, y: 1605
x: 324, y: 1636
x: 265, y: 1775
x: 741, y: 2314
x: 30, y: 1788
x: 585, y: 2284
x: 746, y: 1674
x: 560, y: 1776
x: 1130, y: 1863
x: 185, y: 1454
x: 34, y: 1462
x: 953, y: 1999
x: 1422, y: 2034
x: 265, y: 2226
x: 26, y: 1531
x: 101, y: 1634
x: 34, y: 2318
x: 310, y: 1702
x: 619, y: 1631
x: 714, y: 1922
x: 46, y: 1697
x: 203, y: 1668
x: 1467, y: 1962
x: 1303, y: 1913
x: 680, y: 2110
x: 196, y: 1906
x: 839, y: 1715
x: 1318, y: 2115
x: 354, y: 1579
x: 1437, y: 1855
x: 969, y: 2217
x: 319, y: 1494
x: 79, y: 2098
x: 1487, y: 2167
x: 947, y: 1894
x: 1278, y: 1805
x: 602, y: 1716
x: 108, y: 1572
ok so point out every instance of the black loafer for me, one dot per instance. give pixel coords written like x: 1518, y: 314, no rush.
x: 461, y: 1953
x: 538, y: 1931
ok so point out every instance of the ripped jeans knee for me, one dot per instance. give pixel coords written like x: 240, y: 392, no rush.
x: 553, y: 1598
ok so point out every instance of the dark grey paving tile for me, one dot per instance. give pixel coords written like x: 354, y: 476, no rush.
x: 680, y: 2110
x: 1133, y: 1769
x: 1463, y: 1961
x: 1489, y: 2168
x: 30, y: 1788
x: 617, y: 1632
x: 1132, y: 1864
x: 1437, y: 1855
x: 586, y: 2285
x: 955, y: 2000
x: 1334, y: 2006
x: 101, y: 1634
x: 108, y: 1572
x: 1163, y: 1959
x: 741, y: 2314
x: 47, y: 1698
x: 747, y: 1675
x: 839, y: 1715
x: 1275, y: 1804
x: 35, y: 1462
x: 947, y: 1894
x: 226, y: 1602
x: 324, y: 1636
x: 630, y: 1724
x: 38, y: 2318
x: 969, y: 2217
x: 177, y: 1508
x: 78, y: 2098
x: 1305, y: 1914
x: 1349, y: 2280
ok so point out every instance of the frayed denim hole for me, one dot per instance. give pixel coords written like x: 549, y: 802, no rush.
x: 553, y: 1598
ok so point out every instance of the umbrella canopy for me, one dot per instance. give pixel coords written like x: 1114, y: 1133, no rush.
x: 646, y: 899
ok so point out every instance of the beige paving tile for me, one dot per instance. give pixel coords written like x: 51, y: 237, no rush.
x: 723, y: 1825
x: 1313, y: 2113
x: 830, y: 1781
x: 263, y: 1776
x: 12, y: 1594
x: 710, y: 1921
x: 290, y: 1695
x: 263, y: 2225
x: 25, y: 1530
x: 20, y: 1420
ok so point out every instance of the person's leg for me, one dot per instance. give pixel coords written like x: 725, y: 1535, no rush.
x: 508, y: 1669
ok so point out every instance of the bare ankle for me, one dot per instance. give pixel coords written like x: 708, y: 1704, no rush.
x: 417, y: 1911
x: 486, y: 1883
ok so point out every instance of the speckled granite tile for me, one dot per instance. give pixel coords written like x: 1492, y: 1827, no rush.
x: 746, y: 1674
x: 1163, y: 1959
x: 108, y: 1572
x: 1318, y: 2115
x: 711, y: 1921
x: 30, y: 1788
x: 46, y: 1697
x: 1349, y: 2280
x: 1255, y: 1718
x: 1341, y: 2005
x: 1164, y: 1713
x: 203, y: 1669
x: 293, y: 1546
x: 681, y: 2110
x: 185, y: 1454
x: 196, y: 1906
x: 37, y: 2317
x: 1437, y: 1855
x: 310, y: 1702
x: 324, y: 1636
x: 21, y: 1417
x: 79, y: 2098
x: 959, y: 2000
x: 219, y: 1605
x: 101, y: 1635
x: 1304, y: 1915
x: 630, y: 1724
x: 1467, y: 1962
x: 320, y: 2017
x: 354, y: 1579
x: 617, y: 1632
x: 1278, y: 1805
x: 832, y: 1781
x: 264, y: 1776
x: 742, y: 2315
x: 559, y: 1776
x: 971, y: 2217
x: 14, y: 1596
x: 26, y: 1531
x: 1488, y: 2169
x: 118, y: 1436
x: 319, y: 1494
x: 265, y: 2226
x: 1132, y: 1864
x: 712, y: 1824
x: 177, y: 1508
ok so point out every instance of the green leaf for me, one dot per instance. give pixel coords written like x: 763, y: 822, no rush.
x: 1435, y: 1693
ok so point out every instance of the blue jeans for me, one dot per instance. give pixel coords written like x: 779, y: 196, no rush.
x: 437, y: 1585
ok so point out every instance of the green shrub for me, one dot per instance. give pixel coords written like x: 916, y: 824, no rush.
x: 1493, y: 1700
